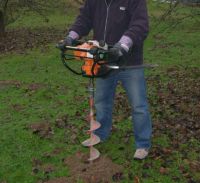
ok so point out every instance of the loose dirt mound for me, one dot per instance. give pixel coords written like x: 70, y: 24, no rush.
x: 102, y: 170
x: 43, y: 129
x: 22, y: 39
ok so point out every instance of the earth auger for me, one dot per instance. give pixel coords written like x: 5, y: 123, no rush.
x: 96, y: 63
x: 94, y: 57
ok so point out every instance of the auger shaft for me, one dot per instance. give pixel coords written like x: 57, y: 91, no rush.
x: 94, y: 139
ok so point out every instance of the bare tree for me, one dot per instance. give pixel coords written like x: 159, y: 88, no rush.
x: 174, y: 15
x: 10, y: 10
x: 2, y: 24
x: 2, y: 16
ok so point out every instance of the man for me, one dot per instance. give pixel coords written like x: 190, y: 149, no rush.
x: 124, y: 24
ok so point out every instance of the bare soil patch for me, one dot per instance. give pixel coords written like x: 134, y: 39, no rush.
x: 32, y: 87
x: 102, y: 170
x: 19, y: 40
x: 42, y: 129
x: 8, y: 83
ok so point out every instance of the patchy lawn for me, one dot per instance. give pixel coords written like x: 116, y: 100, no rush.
x: 44, y: 109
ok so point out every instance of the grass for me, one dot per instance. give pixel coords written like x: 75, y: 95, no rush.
x: 58, y: 16
x: 54, y: 19
x: 60, y: 94
x: 38, y: 106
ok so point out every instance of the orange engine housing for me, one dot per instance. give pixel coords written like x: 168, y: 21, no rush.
x: 88, y: 59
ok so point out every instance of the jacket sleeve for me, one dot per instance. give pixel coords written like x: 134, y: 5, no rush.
x: 83, y: 22
x: 139, y: 25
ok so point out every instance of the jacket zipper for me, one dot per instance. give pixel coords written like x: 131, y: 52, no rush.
x: 105, y: 29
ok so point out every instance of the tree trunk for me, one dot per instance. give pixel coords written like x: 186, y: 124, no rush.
x: 2, y: 24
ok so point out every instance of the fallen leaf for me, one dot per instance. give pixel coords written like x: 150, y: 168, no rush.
x: 136, y: 179
x: 164, y: 170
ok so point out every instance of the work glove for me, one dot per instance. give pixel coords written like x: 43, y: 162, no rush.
x: 117, y: 54
x: 68, y: 41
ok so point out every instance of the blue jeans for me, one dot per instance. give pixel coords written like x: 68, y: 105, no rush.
x: 133, y: 82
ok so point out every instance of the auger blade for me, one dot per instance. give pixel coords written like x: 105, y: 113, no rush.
x: 94, y: 125
x: 93, y: 140
x: 94, y: 154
